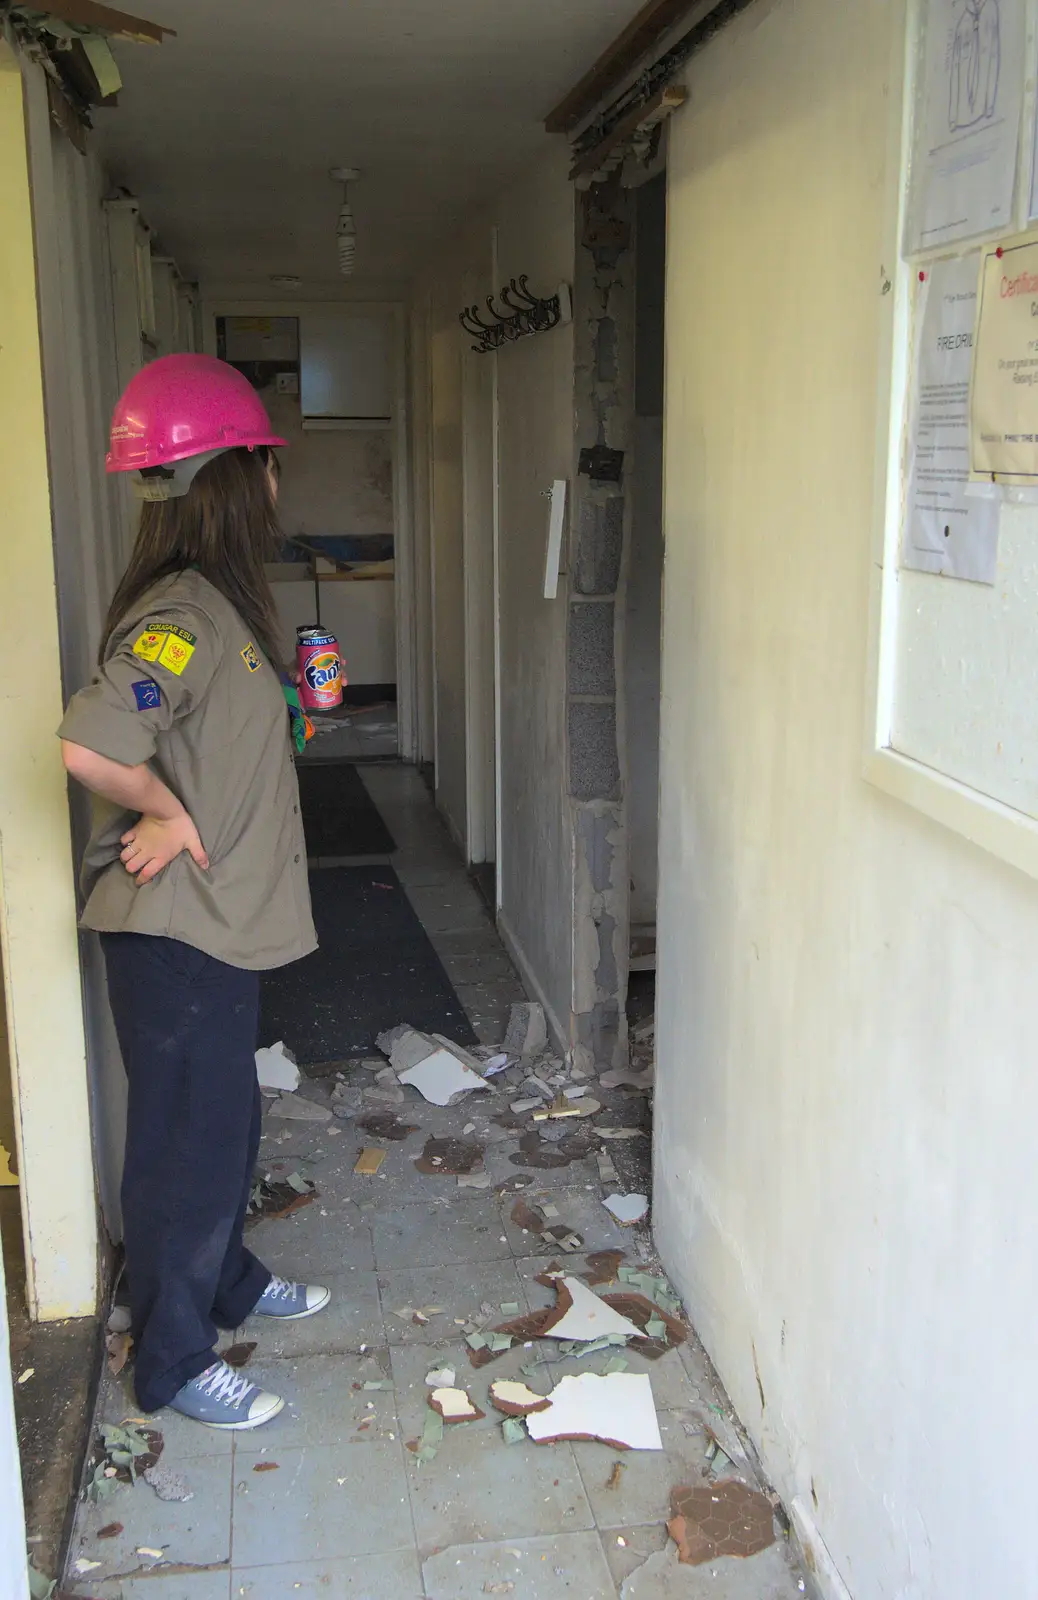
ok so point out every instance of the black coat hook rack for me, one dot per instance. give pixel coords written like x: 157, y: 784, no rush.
x: 525, y: 314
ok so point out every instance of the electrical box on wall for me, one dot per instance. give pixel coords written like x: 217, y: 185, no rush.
x: 345, y: 368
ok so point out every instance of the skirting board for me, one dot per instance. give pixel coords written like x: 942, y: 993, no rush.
x: 816, y: 1558
x: 530, y: 982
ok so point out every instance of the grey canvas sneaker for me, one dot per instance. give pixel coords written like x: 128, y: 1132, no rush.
x: 222, y: 1398
x: 290, y: 1300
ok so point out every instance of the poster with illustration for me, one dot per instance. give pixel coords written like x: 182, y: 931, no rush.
x: 967, y: 134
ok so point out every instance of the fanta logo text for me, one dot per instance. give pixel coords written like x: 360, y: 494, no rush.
x: 322, y: 670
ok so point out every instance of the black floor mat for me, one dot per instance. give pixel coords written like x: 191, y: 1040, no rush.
x: 375, y: 968
x: 339, y: 816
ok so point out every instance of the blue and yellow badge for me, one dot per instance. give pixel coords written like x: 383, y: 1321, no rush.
x: 251, y: 658
x: 147, y: 694
x: 169, y: 646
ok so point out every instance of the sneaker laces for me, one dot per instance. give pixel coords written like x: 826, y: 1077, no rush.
x: 281, y: 1289
x: 221, y: 1382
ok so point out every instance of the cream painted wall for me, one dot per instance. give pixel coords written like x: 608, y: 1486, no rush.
x: 37, y: 896
x: 446, y: 512
x: 846, y: 1186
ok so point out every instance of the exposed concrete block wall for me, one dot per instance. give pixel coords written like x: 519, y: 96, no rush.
x: 535, y: 446
x: 846, y: 1184
x: 596, y: 777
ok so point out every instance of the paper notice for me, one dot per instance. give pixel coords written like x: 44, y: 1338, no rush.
x: 947, y: 529
x: 1004, y: 402
x: 968, y: 132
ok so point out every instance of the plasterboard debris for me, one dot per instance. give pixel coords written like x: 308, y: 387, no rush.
x: 441, y: 1076
x: 454, y: 1405
x: 607, y: 1173
x: 294, y: 1108
x: 385, y: 1125
x: 603, y: 1267
x: 441, y: 1378
x: 495, y: 1065
x: 167, y: 1484
x: 274, y: 1198
x: 723, y: 1519
x: 621, y: 1133
x: 618, y: 1409
x: 82, y: 1565
x: 276, y: 1068
x: 238, y: 1355
x: 119, y: 1320
x: 475, y: 1180
x: 526, y: 1033
x: 627, y: 1208
x: 450, y: 1157
x: 369, y: 1161
x: 622, y: 1078
x: 118, y: 1346
x: 520, y: 1107
x: 580, y: 1315
x: 516, y: 1399
x: 512, y: 1431
x: 646, y: 1029
x: 534, y: 1085
x: 466, y: 1057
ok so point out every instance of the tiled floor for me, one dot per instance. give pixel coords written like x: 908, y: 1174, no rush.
x: 328, y: 1500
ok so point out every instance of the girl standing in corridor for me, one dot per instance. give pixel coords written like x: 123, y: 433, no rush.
x: 195, y: 874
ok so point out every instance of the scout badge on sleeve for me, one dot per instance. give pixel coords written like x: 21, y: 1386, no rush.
x: 168, y: 646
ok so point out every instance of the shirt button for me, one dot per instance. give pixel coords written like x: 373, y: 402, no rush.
x: 296, y: 810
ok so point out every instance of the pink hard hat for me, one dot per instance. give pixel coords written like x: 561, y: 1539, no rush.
x: 181, y: 406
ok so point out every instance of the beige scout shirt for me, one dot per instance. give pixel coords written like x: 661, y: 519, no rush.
x: 186, y: 690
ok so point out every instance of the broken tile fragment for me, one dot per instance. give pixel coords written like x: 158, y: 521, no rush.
x: 450, y: 1157
x: 294, y: 1108
x: 369, y: 1161
x: 618, y: 1409
x: 276, y: 1068
x: 454, y: 1405
x: 627, y: 1208
x: 516, y: 1399
x: 440, y: 1076
x: 580, y: 1314
x: 385, y: 1125
x: 722, y: 1519
x: 167, y: 1484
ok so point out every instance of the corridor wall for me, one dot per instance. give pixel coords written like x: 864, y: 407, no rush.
x: 846, y: 1190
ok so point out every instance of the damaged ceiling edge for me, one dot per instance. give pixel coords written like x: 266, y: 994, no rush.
x: 631, y: 124
x: 70, y: 42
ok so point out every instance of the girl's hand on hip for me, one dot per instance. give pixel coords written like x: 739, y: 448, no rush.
x: 153, y: 842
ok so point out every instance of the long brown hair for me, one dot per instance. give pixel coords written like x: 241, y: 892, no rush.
x: 227, y: 527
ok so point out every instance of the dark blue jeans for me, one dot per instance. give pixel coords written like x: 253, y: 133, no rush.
x: 187, y: 1027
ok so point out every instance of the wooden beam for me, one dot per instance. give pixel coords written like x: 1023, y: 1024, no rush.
x: 663, y: 102
x: 641, y: 33
x: 89, y: 14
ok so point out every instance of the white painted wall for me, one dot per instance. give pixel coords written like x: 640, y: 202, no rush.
x: 43, y: 999
x: 846, y: 1184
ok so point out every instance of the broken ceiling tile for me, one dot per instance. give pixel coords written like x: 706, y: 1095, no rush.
x: 294, y: 1108
x: 450, y: 1157
x: 580, y: 1314
x: 454, y: 1405
x: 385, y: 1125
x: 441, y: 1378
x: 520, y: 1107
x: 495, y: 1065
x: 620, y: 1078
x: 276, y: 1068
x: 621, y: 1133
x: 618, y: 1409
x: 369, y: 1161
x: 441, y: 1076
x: 627, y: 1208
x: 516, y: 1399
x: 722, y: 1519
x: 604, y: 1267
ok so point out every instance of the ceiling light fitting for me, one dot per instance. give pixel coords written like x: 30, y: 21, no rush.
x: 346, y: 228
